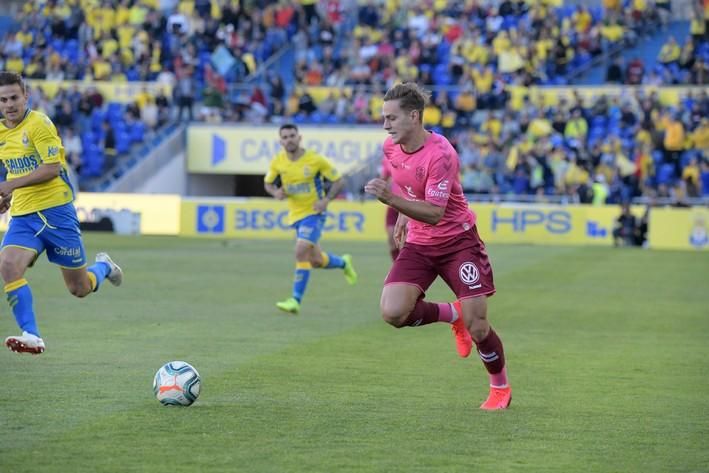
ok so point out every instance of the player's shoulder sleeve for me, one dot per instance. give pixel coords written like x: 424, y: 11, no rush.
x: 44, y: 137
x: 385, y: 168
x: 442, y: 172
x: 325, y: 167
x: 273, y: 169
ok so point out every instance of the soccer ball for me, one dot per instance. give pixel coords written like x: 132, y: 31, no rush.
x: 177, y: 383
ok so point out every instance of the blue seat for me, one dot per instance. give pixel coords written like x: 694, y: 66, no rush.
x: 666, y: 174
x: 599, y: 121
x: 123, y: 141
x: 509, y: 22
x: 87, y: 139
x: 114, y: 109
x: 657, y: 157
x: 137, y: 132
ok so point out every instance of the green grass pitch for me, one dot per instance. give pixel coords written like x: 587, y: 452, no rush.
x: 607, y: 352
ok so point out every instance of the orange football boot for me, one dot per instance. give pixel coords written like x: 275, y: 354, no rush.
x: 463, y: 340
x: 499, y: 398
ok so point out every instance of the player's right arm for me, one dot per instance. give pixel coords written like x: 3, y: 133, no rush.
x: 5, y: 203
x: 272, y: 181
x: 44, y: 136
x: 273, y: 190
x: 420, y: 210
x: 44, y: 173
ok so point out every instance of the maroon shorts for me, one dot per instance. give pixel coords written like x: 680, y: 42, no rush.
x: 461, y: 262
x: 392, y: 215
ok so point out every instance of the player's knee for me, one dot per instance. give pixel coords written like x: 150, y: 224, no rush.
x: 479, y: 334
x: 9, y: 270
x: 316, y: 262
x: 79, y: 290
x: 302, y: 254
x: 393, y: 315
x: 479, y: 329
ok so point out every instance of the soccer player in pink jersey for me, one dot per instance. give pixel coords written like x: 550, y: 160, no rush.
x: 437, y: 236
x: 391, y: 214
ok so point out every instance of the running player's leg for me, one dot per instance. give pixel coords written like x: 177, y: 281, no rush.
x: 490, y: 350
x: 305, y: 230
x: 469, y: 274
x: 326, y: 260
x: 65, y: 248
x: 20, y: 249
x: 402, y: 303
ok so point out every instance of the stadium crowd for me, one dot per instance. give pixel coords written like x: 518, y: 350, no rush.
x: 189, y: 46
x: 346, y: 54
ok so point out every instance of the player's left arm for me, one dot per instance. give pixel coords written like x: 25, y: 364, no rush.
x: 329, y: 172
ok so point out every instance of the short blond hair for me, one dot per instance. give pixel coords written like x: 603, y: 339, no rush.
x: 410, y: 96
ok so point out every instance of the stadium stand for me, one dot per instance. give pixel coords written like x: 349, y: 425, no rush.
x: 215, y: 59
x: 189, y: 46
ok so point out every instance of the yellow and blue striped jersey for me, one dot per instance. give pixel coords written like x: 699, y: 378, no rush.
x: 302, y: 181
x: 34, y: 141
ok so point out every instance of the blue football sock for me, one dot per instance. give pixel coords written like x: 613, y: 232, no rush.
x: 100, y: 270
x: 19, y: 295
x: 331, y: 260
x: 300, y: 281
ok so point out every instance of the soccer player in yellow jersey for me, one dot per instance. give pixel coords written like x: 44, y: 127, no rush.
x: 299, y: 175
x: 43, y: 218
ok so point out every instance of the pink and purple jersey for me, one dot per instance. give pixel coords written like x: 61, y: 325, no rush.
x: 385, y: 171
x: 431, y: 174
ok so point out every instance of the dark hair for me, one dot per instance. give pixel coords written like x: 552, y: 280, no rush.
x: 9, y: 78
x: 410, y: 97
x: 287, y: 126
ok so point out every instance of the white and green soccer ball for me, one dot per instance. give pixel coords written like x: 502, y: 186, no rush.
x: 177, y: 383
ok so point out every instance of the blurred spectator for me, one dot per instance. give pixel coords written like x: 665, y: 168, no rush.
x: 149, y: 114
x: 476, y: 180
x: 691, y: 175
x: 72, y: 151
x: 614, y: 73
x: 634, y: 72
x: 626, y: 231
x: 108, y: 141
x: 184, y: 94
x: 704, y: 177
x: 600, y: 190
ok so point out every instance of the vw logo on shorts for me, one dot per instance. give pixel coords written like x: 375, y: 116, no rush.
x: 468, y: 273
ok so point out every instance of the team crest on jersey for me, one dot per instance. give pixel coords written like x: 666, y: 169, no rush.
x: 306, y: 171
x: 25, y: 139
x: 420, y: 173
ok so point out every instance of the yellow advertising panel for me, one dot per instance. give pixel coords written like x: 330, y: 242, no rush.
x: 679, y: 229
x: 267, y: 218
x: 669, y: 228
x: 546, y: 225
x: 124, y: 92
x: 249, y: 149
x: 159, y: 214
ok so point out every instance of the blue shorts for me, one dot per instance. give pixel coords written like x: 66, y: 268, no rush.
x: 55, y: 229
x: 310, y: 228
